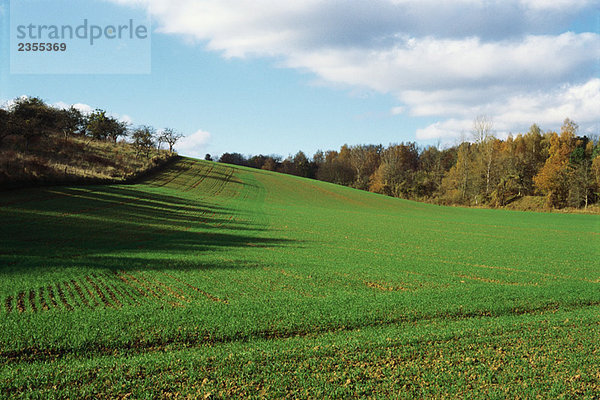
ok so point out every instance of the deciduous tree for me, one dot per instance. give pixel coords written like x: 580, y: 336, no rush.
x: 170, y: 137
x: 144, y: 140
x: 553, y: 179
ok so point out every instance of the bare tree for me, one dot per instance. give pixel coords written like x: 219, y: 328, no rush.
x: 170, y: 137
x: 484, y: 137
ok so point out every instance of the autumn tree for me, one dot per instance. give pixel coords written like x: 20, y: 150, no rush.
x: 395, y: 174
x: 287, y: 166
x: 335, y: 167
x: 530, y: 153
x: 364, y: 160
x: 270, y: 164
x: 553, y: 177
x: 457, y: 185
x: 302, y: 166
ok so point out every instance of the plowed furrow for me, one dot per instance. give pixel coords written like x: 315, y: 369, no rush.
x: 8, y: 303
x: 111, y: 294
x: 99, y: 292
x: 129, y: 284
x: 122, y: 288
x: 43, y: 304
x: 122, y: 294
x: 149, y: 289
x: 91, y: 296
x: 21, y: 302
x: 71, y: 293
x: 171, y: 291
x: 208, y: 295
x: 195, y: 185
x: 52, y: 298
x: 32, y: 300
x: 80, y: 293
x: 63, y: 298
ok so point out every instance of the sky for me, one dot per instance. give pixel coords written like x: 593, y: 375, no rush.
x: 275, y: 77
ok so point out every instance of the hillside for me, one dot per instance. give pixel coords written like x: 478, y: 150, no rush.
x: 56, y: 159
x: 209, y: 280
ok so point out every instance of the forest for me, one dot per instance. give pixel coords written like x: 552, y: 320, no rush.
x: 562, y: 169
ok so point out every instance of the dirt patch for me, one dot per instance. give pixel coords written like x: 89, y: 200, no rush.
x: 43, y: 303
x: 385, y: 287
x: 51, y: 297
x: 487, y: 280
x: 21, y: 302
x: 8, y: 303
x: 32, y: 300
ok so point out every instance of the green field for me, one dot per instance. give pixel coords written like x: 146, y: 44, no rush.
x: 215, y: 281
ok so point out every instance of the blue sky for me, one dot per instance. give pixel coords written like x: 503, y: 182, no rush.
x: 268, y: 77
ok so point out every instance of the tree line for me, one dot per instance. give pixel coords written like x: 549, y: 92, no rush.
x: 28, y: 119
x: 562, y: 166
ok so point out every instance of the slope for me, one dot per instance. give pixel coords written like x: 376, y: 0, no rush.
x: 205, y: 263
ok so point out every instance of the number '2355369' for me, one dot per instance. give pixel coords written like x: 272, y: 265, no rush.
x: 42, y: 47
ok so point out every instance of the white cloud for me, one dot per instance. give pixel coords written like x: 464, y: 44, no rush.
x: 124, y: 118
x: 398, y: 110
x: 9, y: 103
x: 516, y: 114
x: 511, y: 59
x: 87, y: 109
x: 556, y: 4
x: 429, y: 64
x: 194, y: 145
x: 84, y: 108
x: 449, y: 129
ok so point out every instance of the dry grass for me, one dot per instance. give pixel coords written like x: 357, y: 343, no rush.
x: 58, y: 160
x: 538, y: 203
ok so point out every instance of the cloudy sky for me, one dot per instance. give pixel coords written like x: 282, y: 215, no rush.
x: 275, y: 77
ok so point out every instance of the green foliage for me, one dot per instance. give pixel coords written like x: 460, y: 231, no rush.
x: 30, y: 118
x: 103, y: 127
x: 72, y: 122
x: 144, y: 140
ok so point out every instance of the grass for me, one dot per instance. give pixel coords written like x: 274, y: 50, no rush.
x: 56, y: 159
x: 225, y: 282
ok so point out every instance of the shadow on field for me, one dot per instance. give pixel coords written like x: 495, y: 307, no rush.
x: 122, y: 227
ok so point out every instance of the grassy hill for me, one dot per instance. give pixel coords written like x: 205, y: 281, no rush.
x: 214, y: 281
x: 56, y: 159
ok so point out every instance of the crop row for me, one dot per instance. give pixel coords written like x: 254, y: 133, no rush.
x: 108, y: 290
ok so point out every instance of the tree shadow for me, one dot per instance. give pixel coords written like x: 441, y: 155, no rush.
x: 123, y: 227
